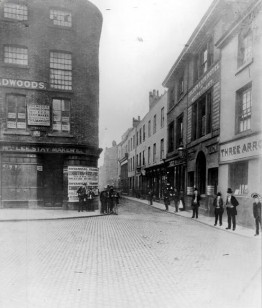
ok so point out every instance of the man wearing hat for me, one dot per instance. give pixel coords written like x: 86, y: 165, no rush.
x: 219, y: 208
x: 257, y: 211
x: 231, y: 205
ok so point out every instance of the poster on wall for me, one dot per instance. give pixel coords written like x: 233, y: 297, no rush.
x: 77, y: 175
x: 38, y: 115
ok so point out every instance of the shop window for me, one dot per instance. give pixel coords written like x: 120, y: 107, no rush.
x: 245, y: 47
x: 61, y: 18
x: 239, y: 178
x: 16, y: 111
x: 61, y: 70
x: 15, y: 11
x: 244, y: 109
x: 179, y: 130
x: 201, y: 116
x: 171, y: 137
x: 162, y: 149
x: 149, y: 155
x: 61, y: 115
x: 213, y: 178
x: 149, y: 128
x: 154, y: 152
x: 190, y: 179
x: 16, y: 55
x: 162, y: 117
x: 154, y: 124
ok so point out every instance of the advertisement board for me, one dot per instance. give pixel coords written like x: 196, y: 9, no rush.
x: 77, y: 175
x: 38, y: 115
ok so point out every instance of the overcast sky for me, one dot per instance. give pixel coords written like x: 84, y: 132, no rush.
x: 140, y: 41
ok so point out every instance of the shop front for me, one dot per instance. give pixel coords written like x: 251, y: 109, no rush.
x: 241, y: 170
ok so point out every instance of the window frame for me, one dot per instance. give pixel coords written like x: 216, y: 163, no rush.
x: 154, y: 152
x: 21, y: 9
x: 60, y: 10
x: 154, y: 124
x: 61, y: 100
x: 242, y: 48
x: 16, y: 117
x: 21, y: 47
x: 246, y: 116
x: 162, y: 117
x: 162, y: 148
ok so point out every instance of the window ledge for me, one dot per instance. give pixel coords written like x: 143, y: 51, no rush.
x: 16, y: 132
x: 62, y: 135
x: 13, y: 65
x: 245, y: 65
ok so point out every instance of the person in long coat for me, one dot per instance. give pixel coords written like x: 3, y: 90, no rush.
x: 219, y: 208
x: 257, y: 212
x: 103, y: 201
x: 195, y: 203
x: 166, y: 198
x: 231, y: 206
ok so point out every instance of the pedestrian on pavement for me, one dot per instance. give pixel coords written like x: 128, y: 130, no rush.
x: 166, y: 198
x: 257, y: 212
x: 81, y: 192
x: 231, y: 206
x: 103, y: 201
x: 90, y: 200
x: 195, y: 203
x: 219, y: 208
x: 176, y: 198
x: 150, y: 196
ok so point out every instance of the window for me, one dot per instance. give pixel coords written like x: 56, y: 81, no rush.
x: 171, y: 97
x: 61, y: 115
x: 239, y: 178
x: 134, y: 141
x: 244, y: 108
x: 61, y: 18
x: 171, y: 137
x: 154, y: 152
x: 201, y: 116
x: 162, y: 117
x: 16, y: 55
x: 149, y: 155
x: 149, y: 128
x: 140, y: 135
x: 205, y: 58
x: 15, y: 11
x: 181, y: 86
x: 162, y: 150
x: 144, y: 132
x: 140, y: 159
x: 245, y: 47
x: 61, y: 70
x: 137, y: 140
x: 154, y: 124
x: 179, y: 130
x: 144, y: 158
x: 16, y: 111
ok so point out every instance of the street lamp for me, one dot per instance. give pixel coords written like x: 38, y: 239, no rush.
x: 183, y: 156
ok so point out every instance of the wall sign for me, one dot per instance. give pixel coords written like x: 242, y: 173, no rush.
x: 38, y: 115
x: 25, y: 84
x: 77, y: 175
x: 41, y: 149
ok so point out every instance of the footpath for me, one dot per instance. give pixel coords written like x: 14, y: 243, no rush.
x: 240, y: 230
x: 14, y: 214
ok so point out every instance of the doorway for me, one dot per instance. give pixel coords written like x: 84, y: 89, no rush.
x: 201, y: 173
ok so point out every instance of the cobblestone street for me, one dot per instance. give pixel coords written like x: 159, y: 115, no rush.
x: 143, y: 257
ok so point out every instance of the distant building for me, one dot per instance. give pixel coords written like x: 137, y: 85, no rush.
x: 240, y: 163
x: 49, y: 94
x: 108, y: 173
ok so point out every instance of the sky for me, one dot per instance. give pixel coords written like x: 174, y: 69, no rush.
x: 140, y: 41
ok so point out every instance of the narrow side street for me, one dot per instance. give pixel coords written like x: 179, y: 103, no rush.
x: 141, y: 258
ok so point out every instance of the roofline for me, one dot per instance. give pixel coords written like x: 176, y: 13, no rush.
x: 191, y: 39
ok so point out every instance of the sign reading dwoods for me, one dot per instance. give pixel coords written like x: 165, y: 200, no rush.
x: 239, y: 149
x: 38, y: 115
x: 25, y: 84
x: 77, y: 175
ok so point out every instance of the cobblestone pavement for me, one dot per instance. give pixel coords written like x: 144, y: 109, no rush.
x: 141, y: 258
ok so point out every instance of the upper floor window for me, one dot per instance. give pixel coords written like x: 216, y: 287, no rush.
x: 154, y: 152
x: 204, y: 59
x: 244, y: 108
x: 16, y: 111
x: 171, y: 97
x: 179, y: 130
x: 15, y: 11
x: 140, y: 135
x: 149, y: 128
x: 61, y: 70
x: 61, y: 115
x: 171, y: 137
x: 162, y: 117
x: 61, y: 18
x: 162, y: 150
x: 181, y: 86
x: 134, y: 142
x: 16, y: 55
x: 245, y: 47
x: 144, y: 132
x: 144, y: 158
x: 149, y: 155
x: 137, y: 138
x: 154, y: 124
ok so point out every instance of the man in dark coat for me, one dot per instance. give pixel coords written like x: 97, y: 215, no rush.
x: 219, y: 208
x: 195, y: 203
x: 81, y: 192
x: 257, y: 212
x: 150, y: 196
x: 231, y: 206
x: 166, y: 198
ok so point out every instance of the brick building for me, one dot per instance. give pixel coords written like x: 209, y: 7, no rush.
x: 49, y: 99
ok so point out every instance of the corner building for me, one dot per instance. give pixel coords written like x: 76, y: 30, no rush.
x: 49, y: 98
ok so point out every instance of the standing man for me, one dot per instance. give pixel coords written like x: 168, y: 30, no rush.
x: 103, y: 201
x: 257, y: 212
x: 219, y: 208
x: 176, y: 199
x: 166, y: 198
x: 90, y: 198
x: 231, y: 206
x: 150, y: 196
x: 81, y: 196
x: 195, y: 203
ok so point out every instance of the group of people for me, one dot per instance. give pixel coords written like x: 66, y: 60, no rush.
x: 86, y: 197
x: 109, y: 198
x: 231, y: 209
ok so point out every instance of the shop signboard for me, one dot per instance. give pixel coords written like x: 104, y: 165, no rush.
x: 38, y: 115
x: 77, y: 175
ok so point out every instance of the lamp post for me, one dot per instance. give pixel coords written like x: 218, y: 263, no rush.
x: 182, y: 152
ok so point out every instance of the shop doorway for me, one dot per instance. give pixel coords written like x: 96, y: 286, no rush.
x: 201, y: 173
x: 52, y: 180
